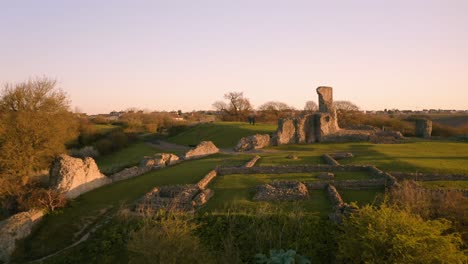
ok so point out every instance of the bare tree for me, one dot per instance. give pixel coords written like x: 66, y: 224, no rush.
x: 345, y: 106
x: 310, y: 106
x: 237, y: 107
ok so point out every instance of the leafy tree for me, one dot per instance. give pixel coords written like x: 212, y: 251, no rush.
x: 389, y: 235
x: 35, y: 124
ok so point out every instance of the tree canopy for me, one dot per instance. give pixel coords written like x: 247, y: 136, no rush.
x: 35, y: 124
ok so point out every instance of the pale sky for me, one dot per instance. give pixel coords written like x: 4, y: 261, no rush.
x: 170, y: 55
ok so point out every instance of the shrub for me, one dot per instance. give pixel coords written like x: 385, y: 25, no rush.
x: 281, y: 257
x: 237, y: 237
x: 104, y: 146
x: 167, y: 238
x: 390, y: 235
x: 88, y: 151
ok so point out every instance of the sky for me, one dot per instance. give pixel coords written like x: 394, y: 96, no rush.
x: 171, y: 55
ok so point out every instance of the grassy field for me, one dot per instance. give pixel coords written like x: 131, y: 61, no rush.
x: 58, y: 229
x: 445, y: 184
x: 128, y: 156
x: 223, y: 134
x: 425, y: 156
x: 103, y: 128
x: 237, y: 191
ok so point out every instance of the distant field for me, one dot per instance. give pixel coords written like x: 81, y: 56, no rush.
x: 223, y: 134
x: 103, y: 129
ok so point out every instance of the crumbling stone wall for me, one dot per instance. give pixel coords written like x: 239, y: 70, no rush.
x: 17, y: 227
x: 203, y: 149
x: 74, y: 176
x: 423, y: 128
x: 252, y: 162
x: 429, y: 176
x: 256, y: 141
x: 281, y: 191
x: 203, y: 183
x: 281, y: 169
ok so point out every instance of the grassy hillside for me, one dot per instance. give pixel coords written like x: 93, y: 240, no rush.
x: 60, y: 229
x: 223, y: 134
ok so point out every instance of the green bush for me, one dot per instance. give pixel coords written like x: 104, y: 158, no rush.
x: 240, y: 236
x: 281, y: 257
x: 390, y: 235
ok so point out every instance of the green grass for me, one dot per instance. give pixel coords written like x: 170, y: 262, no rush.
x: 128, y: 156
x: 445, y: 184
x: 426, y: 156
x: 103, y: 128
x: 237, y: 191
x: 271, y: 159
x: 361, y: 197
x: 223, y: 134
x: 56, y: 230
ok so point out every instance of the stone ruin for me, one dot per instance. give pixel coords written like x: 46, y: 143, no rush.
x: 281, y: 191
x: 74, y: 176
x: 423, y: 128
x: 203, y: 149
x: 321, y: 126
x: 256, y: 141
x: 160, y: 160
x: 174, y: 198
x: 310, y: 128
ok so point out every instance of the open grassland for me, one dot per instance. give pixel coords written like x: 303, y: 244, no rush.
x: 421, y: 156
x: 445, y: 184
x: 223, y: 134
x: 125, y: 157
x: 237, y: 190
x: 59, y: 229
x: 362, y: 197
x: 103, y: 128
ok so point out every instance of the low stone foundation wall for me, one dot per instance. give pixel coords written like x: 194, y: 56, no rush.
x: 329, y: 160
x: 429, y: 176
x: 349, y: 184
x: 203, y: 183
x: 128, y: 173
x: 17, y: 227
x: 291, y: 169
x: 334, y: 196
x: 392, y: 181
x: 252, y: 162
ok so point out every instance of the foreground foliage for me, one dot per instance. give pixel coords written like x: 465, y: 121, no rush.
x: 390, y: 235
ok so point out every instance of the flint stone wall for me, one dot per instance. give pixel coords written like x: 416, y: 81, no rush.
x: 203, y: 183
x: 329, y: 160
x: 16, y: 227
x: 252, y: 162
x: 256, y: 141
x: 423, y: 128
x: 203, y: 149
x: 290, y: 169
x: 74, y: 176
x: 348, y: 184
x: 429, y: 176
